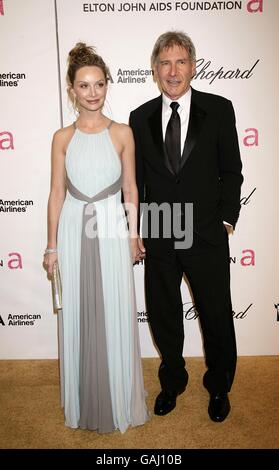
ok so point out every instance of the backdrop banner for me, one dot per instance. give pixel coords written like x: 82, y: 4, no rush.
x: 234, y: 42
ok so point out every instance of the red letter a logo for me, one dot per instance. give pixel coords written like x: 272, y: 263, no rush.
x: 255, y: 6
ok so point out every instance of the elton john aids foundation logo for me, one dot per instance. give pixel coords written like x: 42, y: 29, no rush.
x: 13, y: 261
x: 255, y: 6
x: 247, y: 258
x: 6, y: 141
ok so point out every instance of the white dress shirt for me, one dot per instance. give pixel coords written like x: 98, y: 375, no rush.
x: 183, y: 111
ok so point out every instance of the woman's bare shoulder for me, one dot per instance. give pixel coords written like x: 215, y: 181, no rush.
x: 121, y: 129
x: 62, y: 137
x: 64, y: 133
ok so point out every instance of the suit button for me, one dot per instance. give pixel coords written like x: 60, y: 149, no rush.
x: 177, y: 180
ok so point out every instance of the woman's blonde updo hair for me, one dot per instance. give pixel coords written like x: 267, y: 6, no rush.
x: 81, y: 56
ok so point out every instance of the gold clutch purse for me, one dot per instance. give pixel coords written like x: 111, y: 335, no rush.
x: 56, y: 287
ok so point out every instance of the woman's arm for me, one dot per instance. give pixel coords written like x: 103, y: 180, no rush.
x: 57, y: 195
x: 130, y: 191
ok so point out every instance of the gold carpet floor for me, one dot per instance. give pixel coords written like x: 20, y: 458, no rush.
x: 31, y: 417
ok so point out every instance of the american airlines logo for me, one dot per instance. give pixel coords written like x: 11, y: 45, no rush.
x: 21, y: 319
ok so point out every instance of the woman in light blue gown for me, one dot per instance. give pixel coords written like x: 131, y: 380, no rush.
x: 100, y: 366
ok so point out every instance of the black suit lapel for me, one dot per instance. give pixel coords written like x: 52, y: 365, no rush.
x: 155, y: 123
x: 196, y: 120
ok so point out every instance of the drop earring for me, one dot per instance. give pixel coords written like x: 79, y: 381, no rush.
x: 76, y: 110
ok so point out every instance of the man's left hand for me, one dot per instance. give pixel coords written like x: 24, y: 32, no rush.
x: 229, y: 229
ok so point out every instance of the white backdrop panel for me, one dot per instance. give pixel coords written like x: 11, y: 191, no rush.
x: 29, y: 112
x: 228, y: 38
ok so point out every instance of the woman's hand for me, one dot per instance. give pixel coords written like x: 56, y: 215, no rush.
x: 137, y: 249
x: 49, y: 260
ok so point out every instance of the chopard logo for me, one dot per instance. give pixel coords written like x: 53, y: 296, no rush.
x: 246, y: 199
x: 241, y: 315
x: 205, y: 71
x: 191, y: 313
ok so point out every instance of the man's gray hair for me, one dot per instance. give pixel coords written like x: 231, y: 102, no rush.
x: 173, y: 38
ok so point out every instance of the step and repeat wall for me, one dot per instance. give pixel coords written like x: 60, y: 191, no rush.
x: 236, y: 44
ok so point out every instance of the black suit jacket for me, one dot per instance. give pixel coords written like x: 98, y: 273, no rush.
x: 210, y: 173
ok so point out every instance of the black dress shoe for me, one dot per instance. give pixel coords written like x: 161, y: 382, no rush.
x: 166, y: 401
x: 219, y: 407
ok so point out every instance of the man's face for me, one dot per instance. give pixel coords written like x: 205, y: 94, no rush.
x: 174, y: 71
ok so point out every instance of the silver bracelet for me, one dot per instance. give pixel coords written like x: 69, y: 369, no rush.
x: 50, y: 250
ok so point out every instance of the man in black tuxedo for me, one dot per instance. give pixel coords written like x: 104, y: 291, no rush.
x: 188, y: 152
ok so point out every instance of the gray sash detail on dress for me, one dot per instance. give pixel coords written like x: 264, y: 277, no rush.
x: 95, y: 398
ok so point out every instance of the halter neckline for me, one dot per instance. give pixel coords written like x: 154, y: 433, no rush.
x: 93, y: 133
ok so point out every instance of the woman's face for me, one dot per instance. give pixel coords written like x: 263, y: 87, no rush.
x: 89, y: 88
